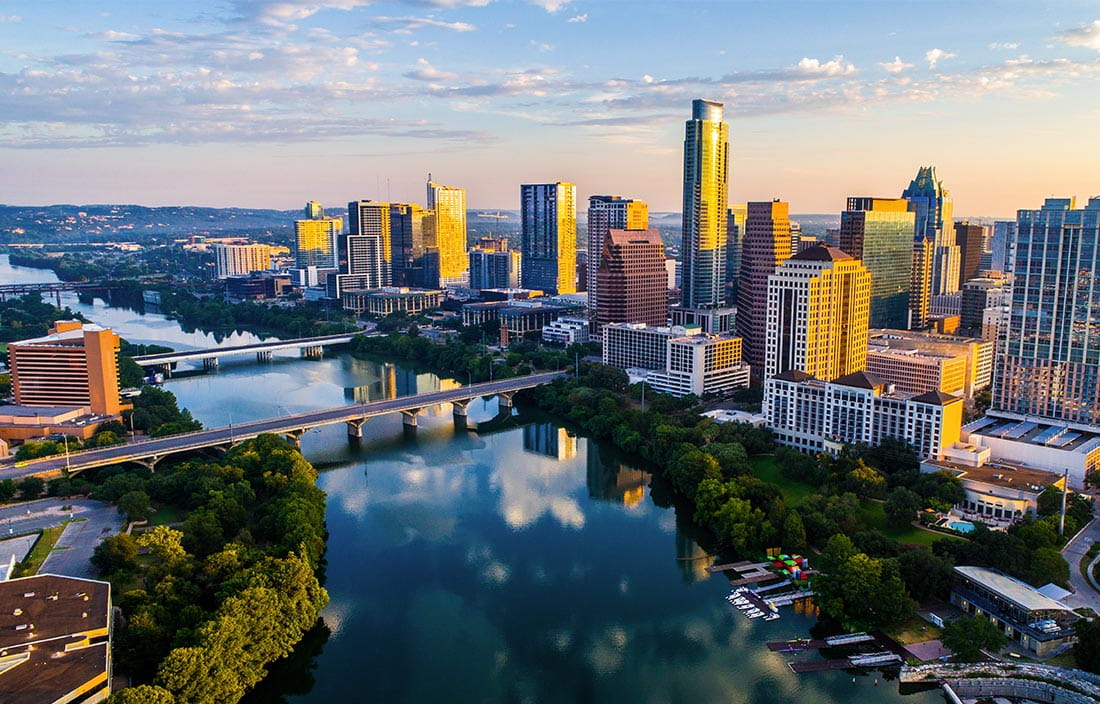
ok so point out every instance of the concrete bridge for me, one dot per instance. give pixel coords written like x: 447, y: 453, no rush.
x: 310, y: 346
x: 149, y: 452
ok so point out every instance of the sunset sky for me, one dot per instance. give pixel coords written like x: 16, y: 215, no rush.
x: 266, y: 103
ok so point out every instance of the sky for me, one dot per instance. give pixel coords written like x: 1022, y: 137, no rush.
x: 270, y: 103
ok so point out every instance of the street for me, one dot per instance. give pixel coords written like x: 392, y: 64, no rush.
x: 80, y: 538
x: 1084, y: 593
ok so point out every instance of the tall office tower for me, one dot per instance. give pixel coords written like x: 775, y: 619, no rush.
x: 766, y: 245
x: 932, y: 204
x: 1051, y: 362
x: 494, y: 268
x: 448, y: 203
x: 239, y: 259
x: 368, y: 219
x: 1000, y: 243
x: 735, y: 233
x: 75, y: 365
x: 920, y: 285
x: 879, y: 232
x: 410, y: 227
x: 493, y: 244
x: 316, y: 241
x: 606, y: 213
x: 971, y: 240
x: 548, y: 222
x: 796, y: 237
x: 314, y: 210
x: 819, y: 302
x: 706, y: 170
x: 632, y: 279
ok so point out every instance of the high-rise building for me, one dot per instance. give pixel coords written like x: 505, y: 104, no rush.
x: 879, y: 232
x: 735, y: 233
x: 818, y: 306
x: 706, y: 170
x: 931, y: 203
x: 410, y: 233
x: 631, y: 278
x: 796, y: 237
x: 448, y: 204
x: 75, y: 365
x: 239, y: 259
x: 316, y: 242
x: 677, y: 360
x: 606, y: 213
x: 548, y: 222
x: 1050, y: 365
x: 1000, y: 245
x: 368, y: 220
x: 980, y: 296
x: 766, y: 245
x: 314, y: 211
x: 920, y: 283
x: 493, y: 265
x: 971, y: 239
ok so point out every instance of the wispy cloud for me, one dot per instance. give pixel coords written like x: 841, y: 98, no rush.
x: 1000, y: 46
x: 405, y: 25
x: 426, y: 72
x: 10, y: 18
x: 934, y: 56
x: 578, y: 18
x: 1086, y: 36
x: 896, y: 66
x: 550, y: 5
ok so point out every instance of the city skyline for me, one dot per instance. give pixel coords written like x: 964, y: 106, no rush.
x: 266, y: 104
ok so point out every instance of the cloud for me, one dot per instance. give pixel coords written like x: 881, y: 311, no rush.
x: 427, y: 72
x: 1087, y: 36
x: 837, y: 67
x: 998, y: 46
x: 578, y: 18
x: 896, y: 66
x: 282, y: 13
x: 405, y: 25
x: 934, y: 56
x: 10, y: 18
x: 550, y: 5
x: 544, y: 47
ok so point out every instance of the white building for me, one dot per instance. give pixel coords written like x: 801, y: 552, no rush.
x: 241, y: 259
x: 817, y: 416
x: 1043, y: 444
x: 565, y: 331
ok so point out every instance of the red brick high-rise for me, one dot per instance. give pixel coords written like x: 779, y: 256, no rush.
x: 766, y: 245
x: 632, y: 278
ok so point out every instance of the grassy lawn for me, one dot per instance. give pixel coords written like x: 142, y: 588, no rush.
x: 42, y: 548
x: 873, y: 515
x: 793, y: 492
x: 913, y: 630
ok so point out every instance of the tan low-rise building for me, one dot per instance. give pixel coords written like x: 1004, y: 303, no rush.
x: 917, y: 362
x: 995, y: 490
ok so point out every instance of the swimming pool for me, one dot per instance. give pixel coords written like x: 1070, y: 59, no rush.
x: 961, y: 526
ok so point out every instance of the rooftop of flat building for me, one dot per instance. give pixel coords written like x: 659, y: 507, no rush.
x: 51, y: 606
x: 896, y: 337
x: 1037, y: 431
x: 822, y: 253
x: 1021, y: 594
x: 64, y: 335
x: 1000, y: 473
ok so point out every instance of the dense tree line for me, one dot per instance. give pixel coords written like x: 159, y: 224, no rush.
x: 209, y: 606
x: 212, y: 314
x: 29, y: 316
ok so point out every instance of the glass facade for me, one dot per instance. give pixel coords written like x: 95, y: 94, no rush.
x: 706, y: 169
x: 879, y: 232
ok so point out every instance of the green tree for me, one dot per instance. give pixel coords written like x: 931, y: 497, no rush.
x: 926, y: 576
x: 1087, y: 650
x: 968, y: 636
x: 794, y: 532
x: 31, y: 487
x: 7, y: 489
x: 864, y: 593
x: 902, y: 506
x: 837, y: 551
x: 865, y: 481
x: 690, y: 469
x: 117, y: 552
x: 164, y: 544
x: 135, y: 505
x: 142, y: 694
x: 1046, y: 565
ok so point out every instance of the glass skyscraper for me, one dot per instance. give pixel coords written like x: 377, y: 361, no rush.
x: 548, y: 221
x: 447, y: 205
x: 931, y: 203
x: 1050, y: 367
x: 706, y: 169
x: 879, y: 232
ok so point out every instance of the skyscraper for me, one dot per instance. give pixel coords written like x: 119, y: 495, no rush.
x: 879, y: 232
x: 767, y: 243
x: 818, y: 307
x: 316, y: 241
x: 971, y: 240
x: 706, y: 170
x: 368, y: 219
x: 735, y: 233
x: 632, y: 280
x: 932, y: 204
x: 548, y: 222
x: 493, y: 265
x: 448, y: 204
x: 606, y: 213
x: 314, y: 210
x: 920, y: 285
x: 1050, y: 367
x: 410, y: 228
x: 1000, y: 244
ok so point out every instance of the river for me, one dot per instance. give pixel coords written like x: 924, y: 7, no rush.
x: 518, y: 565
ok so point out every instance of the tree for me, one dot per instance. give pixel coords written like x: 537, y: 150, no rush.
x: 691, y: 468
x: 863, y: 593
x: 135, y: 506
x: 926, y: 576
x: 865, y: 481
x: 968, y: 636
x: 837, y: 551
x: 164, y: 544
x: 115, y: 553
x: 1087, y: 650
x: 794, y: 532
x: 902, y: 506
x: 7, y: 489
x: 31, y: 487
x: 1047, y: 565
x: 142, y: 694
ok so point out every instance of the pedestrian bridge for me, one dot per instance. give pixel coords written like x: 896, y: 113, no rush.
x: 310, y: 346
x: 149, y: 452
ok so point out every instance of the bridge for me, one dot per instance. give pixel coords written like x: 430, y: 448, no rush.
x: 54, y: 287
x: 310, y: 346
x: 149, y: 452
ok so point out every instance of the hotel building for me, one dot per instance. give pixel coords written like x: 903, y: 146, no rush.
x: 238, y: 259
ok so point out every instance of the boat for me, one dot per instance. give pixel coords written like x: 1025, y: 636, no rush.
x: 771, y: 617
x: 755, y: 613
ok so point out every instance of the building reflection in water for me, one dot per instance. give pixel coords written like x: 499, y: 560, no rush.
x: 611, y: 480
x: 549, y: 440
x: 388, y: 381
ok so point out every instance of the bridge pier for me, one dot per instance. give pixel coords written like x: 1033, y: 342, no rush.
x: 210, y: 364
x: 460, y: 408
x: 504, y: 399
x: 408, y: 418
x: 295, y: 437
x: 314, y: 352
x: 264, y: 356
x: 149, y: 463
x: 355, y: 427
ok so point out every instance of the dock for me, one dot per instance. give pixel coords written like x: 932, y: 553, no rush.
x: 795, y: 646
x: 728, y: 566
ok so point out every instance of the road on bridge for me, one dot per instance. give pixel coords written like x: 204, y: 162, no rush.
x: 149, y: 360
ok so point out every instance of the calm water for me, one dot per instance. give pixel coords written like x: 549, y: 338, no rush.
x: 519, y: 565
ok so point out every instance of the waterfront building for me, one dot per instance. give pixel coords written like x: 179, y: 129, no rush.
x: 548, y: 224
x: 518, y: 317
x: 391, y: 299
x: 237, y: 259
x: 706, y: 170
x: 316, y: 241
x: 257, y: 286
x: 606, y: 213
x: 1050, y: 446
x: 631, y: 278
x: 1050, y: 366
x: 565, y: 331
x: 879, y: 233
x: 995, y: 492
x: 639, y: 346
x: 447, y: 205
x: 971, y: 239
x: 368, y: 249
x: 817, y: 311
x: 931, y: 203
x: 55, y: 636
x: 1030, y: 619
x: 817, y: 416
x: 916, y: 362
x: 766, y: 245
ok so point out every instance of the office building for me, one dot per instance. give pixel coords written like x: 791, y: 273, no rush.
x: 796, y: 237
x: 1050, y: 366
x: 237, y: 259
x: 493, y: 265
x: 735, y: 233
x: 548, y: 223
x: 518, y: 317
x: 75, y: 365
x: 638, y: 346
x: 766, y: 245
x: 706, y: 170
x: 411, y: 232
x: 971, y: 239
x: 314, y: 211
x: 606, y: 213
x: 676, y: 360
x: 945, y: 304
x: 817, y: 313
x: 1000, y: 245
x: 985, y: 301
x: 447, y: 204
x: 316, y: 241
x: 390, y: 299
x: 879, y: 233
x: 818, y: 416
x: 565, y: 331
x: 715, y: 321
x: 257, y: 286
x: 1049, y: 446
x: 976, y: 354
x: 368, y: 249
x: 55, y: 636
x: 920, y: 283
x: 631, y: 278
x: 931, y: 203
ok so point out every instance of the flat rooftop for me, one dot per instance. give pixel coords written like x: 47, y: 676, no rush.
x: 1043, y: 433
x: 1001, y: 474
x: 1022, y: 595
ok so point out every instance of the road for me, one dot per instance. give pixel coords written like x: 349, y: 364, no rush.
x: 160, y: 447
x: 80, y: 537
x: 186, y: 355
x: 1085, y: 594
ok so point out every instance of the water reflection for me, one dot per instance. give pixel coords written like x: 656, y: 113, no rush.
x: 549, y: 440
x: 610, y: 479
